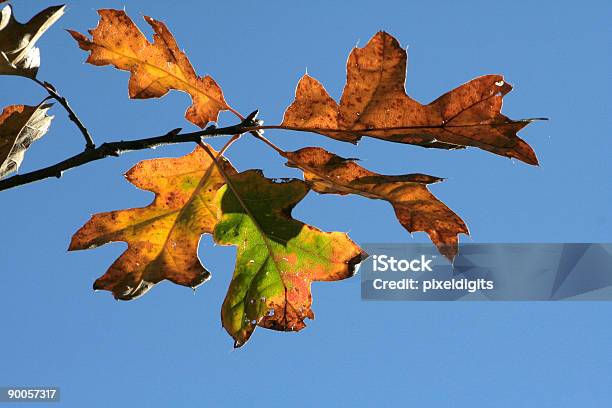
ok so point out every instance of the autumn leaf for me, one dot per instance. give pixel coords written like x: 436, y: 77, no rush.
x: 163, y: 237
x: 278, y: 257
x: 374, y: 103
x: 155, y: 68
x: 20, y: 126
x: 18, y: 54
x: 415, y: 207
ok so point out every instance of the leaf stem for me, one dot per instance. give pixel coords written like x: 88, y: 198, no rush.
x: 235, y: 112
x: 264, y: 139
x: 366, y: 131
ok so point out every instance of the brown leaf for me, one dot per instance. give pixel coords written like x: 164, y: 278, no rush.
x: 20, y: 126
x: 374, y: 103
x: 415, y: 207
x: 18, y: 55
x: 162, y: 237
x: 155, y: 68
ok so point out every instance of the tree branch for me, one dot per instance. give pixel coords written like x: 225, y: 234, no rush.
x: 250, y: 124
x: 120, y: 147
x: 89, y: 143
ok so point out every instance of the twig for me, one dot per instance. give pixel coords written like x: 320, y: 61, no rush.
x: 89, y: 143
x: 120, y: 147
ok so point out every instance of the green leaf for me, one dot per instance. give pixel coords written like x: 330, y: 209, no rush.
x: 277, y: 257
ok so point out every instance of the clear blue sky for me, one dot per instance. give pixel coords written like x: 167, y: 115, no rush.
x: 168, y: 348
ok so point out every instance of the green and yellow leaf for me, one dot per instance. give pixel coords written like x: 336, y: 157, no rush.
x: 163, y: 237
x: 278, y: 257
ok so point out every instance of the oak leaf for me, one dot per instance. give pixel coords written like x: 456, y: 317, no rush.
x: 374, y: 103
x: 163, y: 237
x: 20, y: 126
x: 18, y: 54
x: 415, y: 207
x: 155, y: 68
x: 278, y: 257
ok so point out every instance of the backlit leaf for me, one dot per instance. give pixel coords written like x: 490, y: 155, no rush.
x: 163, y: 237
x: 415, y: 207
x: 374, y: 103
x: 18, y: 54
x: 155, y: 68
x: 20, y: 126
x: 277, y: 257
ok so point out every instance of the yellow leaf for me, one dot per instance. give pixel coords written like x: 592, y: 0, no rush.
x: 162, y: 237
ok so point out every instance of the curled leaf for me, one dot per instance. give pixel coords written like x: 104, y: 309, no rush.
x: 20, y: 126
x: 278, y: 257
x: 415, y: 207
x: 163, y: 237
x: 374, y: 103
x: 18, y: 54
x: 155, y: 68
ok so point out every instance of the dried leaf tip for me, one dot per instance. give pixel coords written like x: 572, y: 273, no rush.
x: 18, y: 53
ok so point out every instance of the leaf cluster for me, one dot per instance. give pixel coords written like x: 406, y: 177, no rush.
x: 278, y: 257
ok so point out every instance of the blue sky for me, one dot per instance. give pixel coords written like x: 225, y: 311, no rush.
x: 168, y: 348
